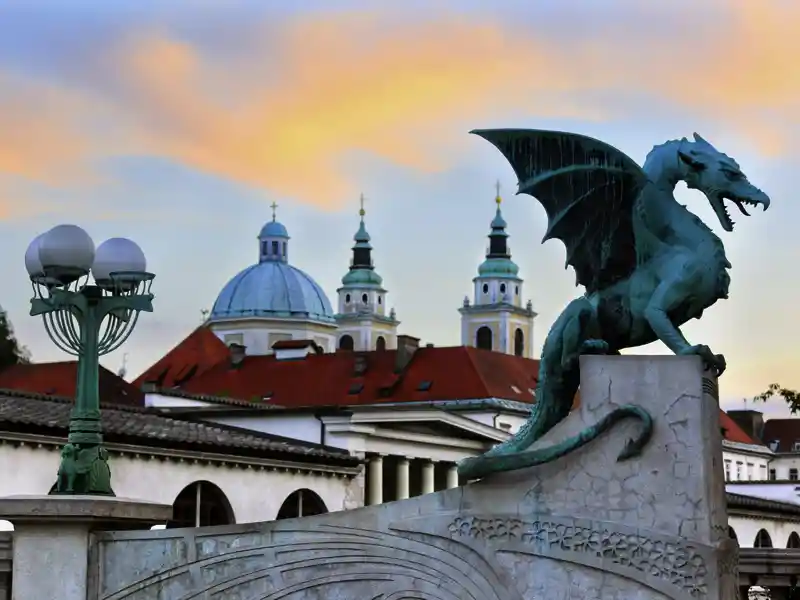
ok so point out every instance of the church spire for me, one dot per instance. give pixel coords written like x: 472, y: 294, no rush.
x: 364, y: 323
x: 362, y: 250
x: 498, y: 238
x: 498, y: 319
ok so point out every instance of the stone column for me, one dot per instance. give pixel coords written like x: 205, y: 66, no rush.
x: 6, y: 556
x: 402, y: 478
x: 51, y: 539
x: 452, y: 476
x: 376, y: 480
x: 427, y: 477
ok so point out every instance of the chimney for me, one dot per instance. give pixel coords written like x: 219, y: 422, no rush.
x: 237, y: 353
x: 751, y: 421
x: 406, y: 346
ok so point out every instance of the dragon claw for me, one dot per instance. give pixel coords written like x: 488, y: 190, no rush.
x: 595, y: 347
x: 713, y: 361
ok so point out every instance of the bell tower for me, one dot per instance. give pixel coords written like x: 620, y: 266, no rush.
x: 363, y: 319
x: 496, y: 318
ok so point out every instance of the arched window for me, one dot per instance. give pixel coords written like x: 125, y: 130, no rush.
x: 301, y: 503
x: 346, y: 342
x: 519, y: 342
x: 794, y: 541
x: 214, y: 507
x: 732, y: 534
x: 380, y: 344
x: 762, y: 539
x: 483, y: 338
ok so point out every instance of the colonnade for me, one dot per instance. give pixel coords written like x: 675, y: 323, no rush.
x: 380, y: 467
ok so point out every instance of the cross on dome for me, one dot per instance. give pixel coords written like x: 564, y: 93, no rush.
x: 274, y: 207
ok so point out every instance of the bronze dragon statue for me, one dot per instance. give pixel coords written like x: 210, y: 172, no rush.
x: 647, y: 263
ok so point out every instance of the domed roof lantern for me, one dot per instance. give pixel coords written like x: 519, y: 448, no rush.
x: 273, y: 240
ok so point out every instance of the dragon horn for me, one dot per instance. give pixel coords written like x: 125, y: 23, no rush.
x: 699, y: 139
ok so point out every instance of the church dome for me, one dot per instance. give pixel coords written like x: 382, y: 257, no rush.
x: 273, y: 229
x: 272, y: 289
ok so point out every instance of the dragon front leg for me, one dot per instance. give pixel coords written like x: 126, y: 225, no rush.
x: 669, y: 296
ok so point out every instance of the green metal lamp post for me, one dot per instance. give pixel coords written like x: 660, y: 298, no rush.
x: 86, y: 320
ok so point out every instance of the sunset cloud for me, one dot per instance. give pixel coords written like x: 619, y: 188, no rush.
x: 285, y: 116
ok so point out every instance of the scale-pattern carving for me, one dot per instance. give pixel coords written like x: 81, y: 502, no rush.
x: 673, y: 562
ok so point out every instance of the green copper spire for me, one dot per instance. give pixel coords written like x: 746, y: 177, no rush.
x: 361, y: 237
x: 362, y: 272
x: 498, y: 261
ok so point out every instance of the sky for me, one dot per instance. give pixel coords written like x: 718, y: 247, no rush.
x: 178, y: 123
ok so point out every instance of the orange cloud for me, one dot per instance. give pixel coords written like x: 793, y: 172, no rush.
x: 326, y: 85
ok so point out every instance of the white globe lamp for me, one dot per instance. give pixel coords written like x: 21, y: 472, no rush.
x: 32, y: 263
x: 66, y: 253
x: 119, y: 256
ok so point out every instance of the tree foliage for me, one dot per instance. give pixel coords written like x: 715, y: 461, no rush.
x: 791, y: 397
x: 11, y: 352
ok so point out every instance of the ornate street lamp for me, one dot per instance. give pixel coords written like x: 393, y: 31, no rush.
x: 87, y: 321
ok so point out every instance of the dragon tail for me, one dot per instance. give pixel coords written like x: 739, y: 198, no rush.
x: 481, y: 466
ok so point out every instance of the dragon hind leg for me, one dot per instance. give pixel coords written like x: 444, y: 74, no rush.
x: 559, y: 376
x: 559, y: 379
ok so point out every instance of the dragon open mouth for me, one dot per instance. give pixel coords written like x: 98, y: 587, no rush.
x: 722, y: 211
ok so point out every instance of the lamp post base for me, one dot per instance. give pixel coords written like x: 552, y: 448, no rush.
x: 83, y: 471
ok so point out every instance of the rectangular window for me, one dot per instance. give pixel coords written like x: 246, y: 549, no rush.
x: 773, y: 475
x: 727, y: 470
x: 792, y: 474
x: 274, y: 248
x: 749, y: 471
x: 762, y: 472
x: 739, y: 466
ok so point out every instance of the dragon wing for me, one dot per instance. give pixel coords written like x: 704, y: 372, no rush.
x: 588, y: 189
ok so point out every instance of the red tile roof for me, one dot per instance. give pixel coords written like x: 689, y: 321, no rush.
x: 349, y: 378
x: 201, y: 365
x: 732, y: 431
x: 58, y: 379
x: 197, y: 353
x: 784, y: 431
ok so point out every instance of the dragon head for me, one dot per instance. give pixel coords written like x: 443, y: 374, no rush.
x: 720, y: 178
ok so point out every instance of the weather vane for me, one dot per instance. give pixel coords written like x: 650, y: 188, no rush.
x: 361, y: 211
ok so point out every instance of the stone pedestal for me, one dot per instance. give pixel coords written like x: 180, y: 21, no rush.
x: 51, y: 540
x: 583, y: 527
